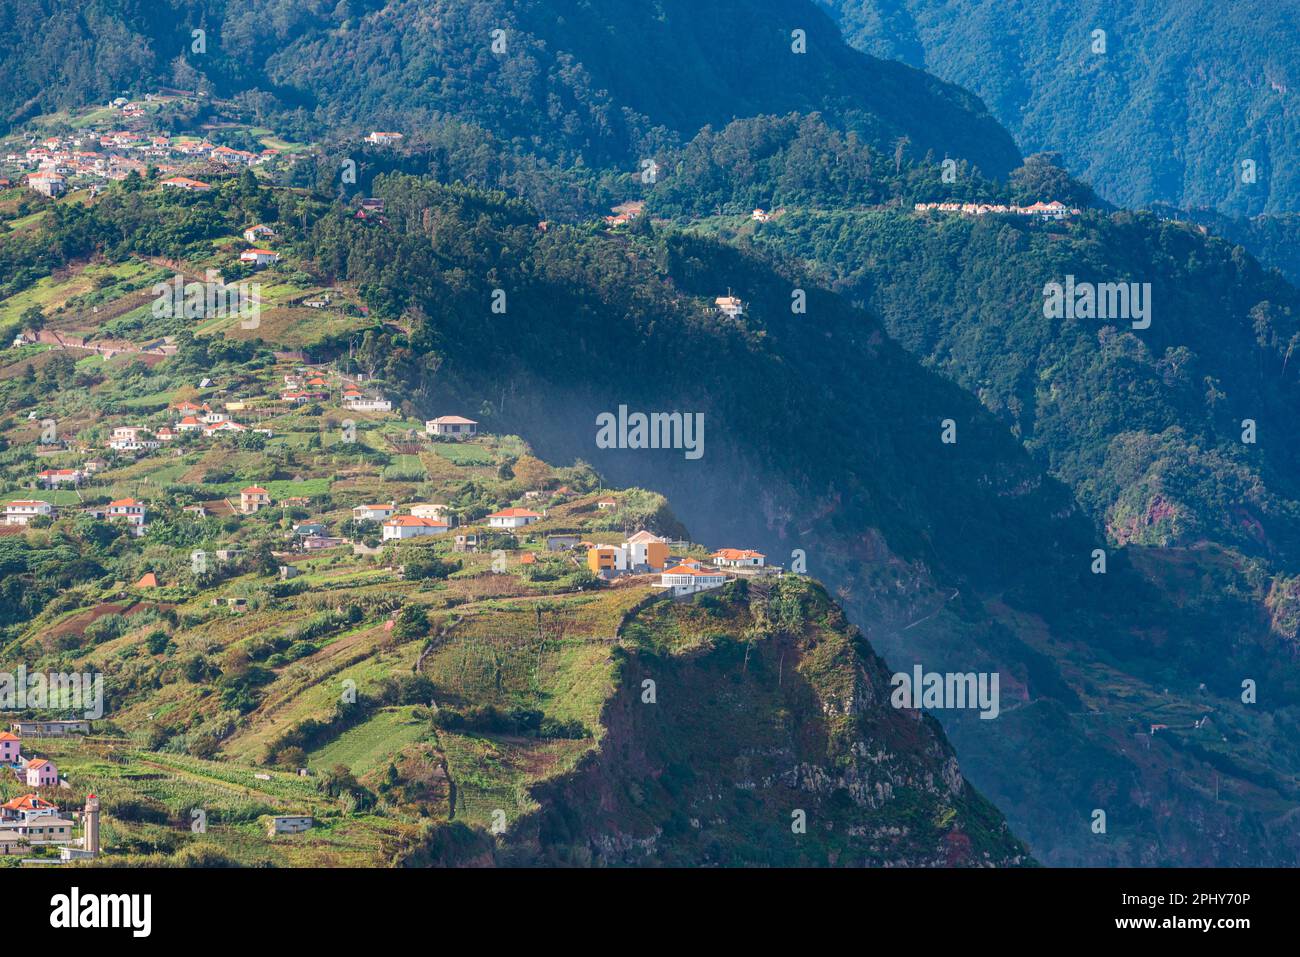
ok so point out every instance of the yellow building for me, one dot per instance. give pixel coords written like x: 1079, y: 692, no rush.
x: 602, y: 558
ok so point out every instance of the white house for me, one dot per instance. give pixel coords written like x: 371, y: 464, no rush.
x: 729, y: 305
x: 255, y: 233
x: 187, y: 184
x: 48, y: 184
x: 738, y: 558
x: 430, y: 510
x: 513, y: 518
x: 361, y: 403
x: 27, y: 808
x: 130, y: 510
x: 384, y: 139
x: 132, y: 438
x: 452, y: 425
x: 409, y: 526
x: 288, y: 824
x: 374, y: 513
x: 688, y: 579
x: 22, y: 511
x: 52, y: 478
x: 259, y: 257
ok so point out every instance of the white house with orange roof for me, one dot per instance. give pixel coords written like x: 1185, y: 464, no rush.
x: 259, y: 257
x: 223, y: 427
x: 738, y: 558
x: 187, y: 184
x: 48, y: 184
x: 686, y: 579
x: 729, y: 305
x: 253, y: 498
x: 26, y: 808
x: 52, y: 478
x: 41, y: 773
x: 411, y: 526
x: 131, y: 511
x: 22, y: 511
x: 513, y: 518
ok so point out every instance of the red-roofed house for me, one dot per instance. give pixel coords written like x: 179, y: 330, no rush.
x: 10, y: 746
x: 253, y: 498
x: 22, y: 511
x: 52, y: 478
x: 411, y: 526
x: 513, y: 518
x: 41, y: 773
x: 738, y: 557
x: 27, y: 807
x: 131, y: 510
x: 187, y: 184
x: 259, y: 257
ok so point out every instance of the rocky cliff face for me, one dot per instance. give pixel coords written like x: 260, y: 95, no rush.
x: 754, y: 726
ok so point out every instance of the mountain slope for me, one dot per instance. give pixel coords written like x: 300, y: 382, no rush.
x: 604, y: 83
x: 1166, y: 114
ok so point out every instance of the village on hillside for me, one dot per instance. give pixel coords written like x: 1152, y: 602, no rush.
x: 283, y: 529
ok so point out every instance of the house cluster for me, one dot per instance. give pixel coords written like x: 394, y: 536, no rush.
x: 202, y: 418
x: 646, y: 553
x: 134, y: 514
x: 31, y: 771
x: 624, y: 213
x: 258, y: 255
x: 184, y: 418
x: 1052, y: 210
x: 421, y: 519
x: 58, y: 161
x: 31, y: 821
x: 357, y: 400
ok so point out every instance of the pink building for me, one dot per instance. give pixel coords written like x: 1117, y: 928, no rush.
x: 9, y: 747
x: 42, y: 774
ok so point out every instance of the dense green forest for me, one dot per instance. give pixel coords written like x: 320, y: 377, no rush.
x: 1145, y: 426
x: 570, y: 81
x: 1183, y: 93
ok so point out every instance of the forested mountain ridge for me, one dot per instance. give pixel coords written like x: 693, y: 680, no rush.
x: 1146, y: 425
x: 1165, y: 107
x: 947, y: 458
x: 565, y: 79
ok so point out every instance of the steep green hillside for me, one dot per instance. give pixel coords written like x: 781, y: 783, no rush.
x: 566, y: 79
x: 1183, y: 94
x: 823, y: 443
x: 443, y: 706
